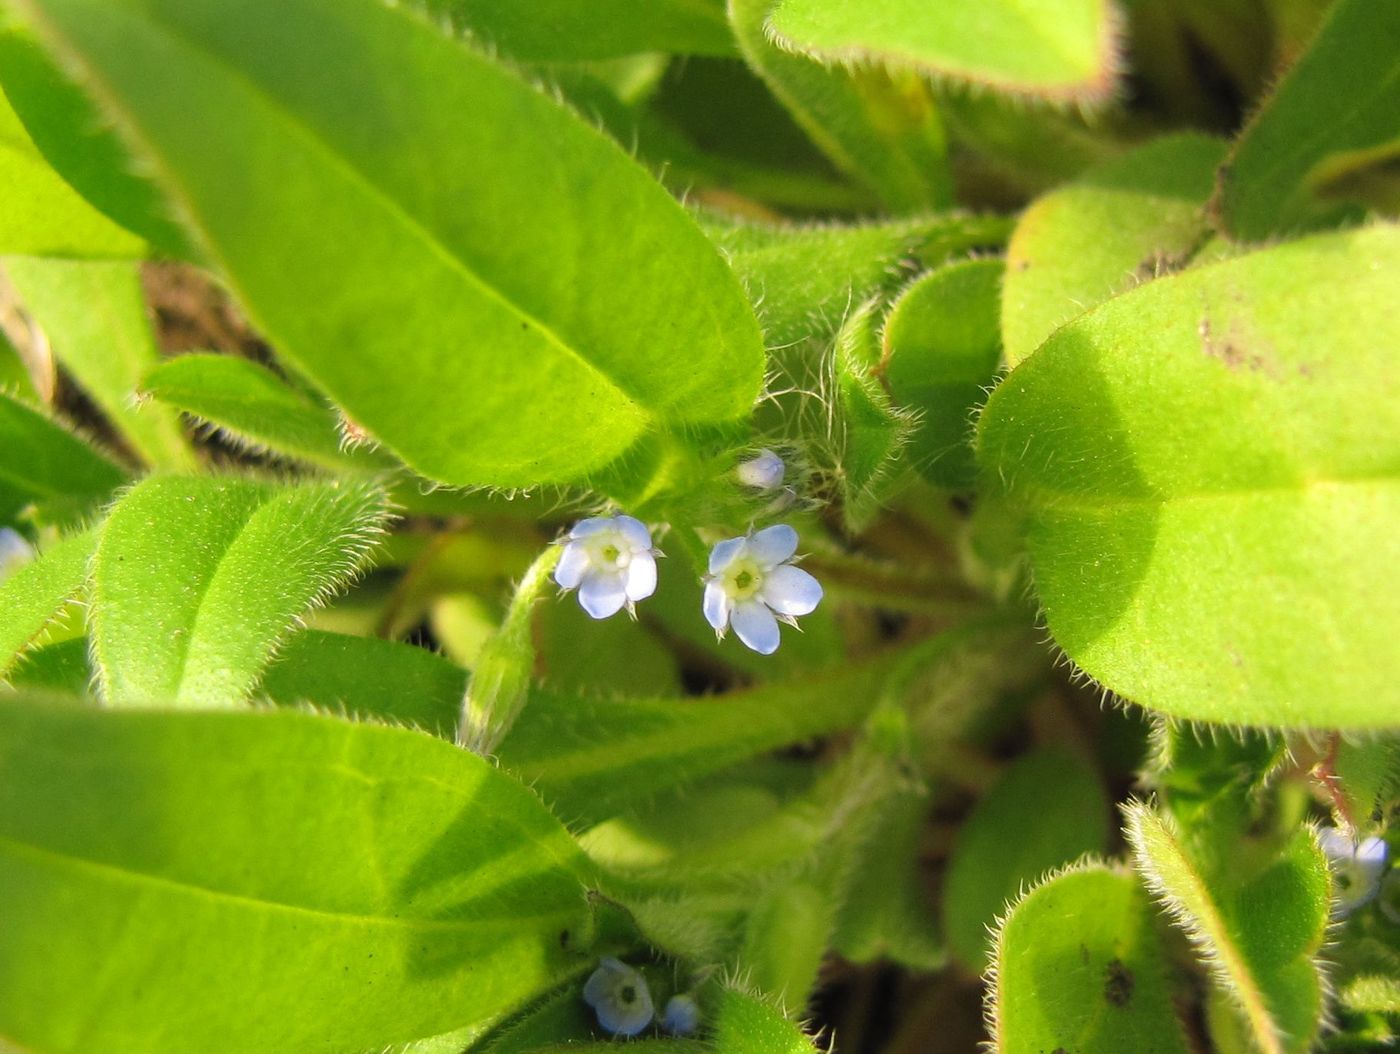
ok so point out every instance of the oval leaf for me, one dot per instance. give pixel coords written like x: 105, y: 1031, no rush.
x: 498, y: 308
x: 1049, y: 809
x: 1118, y: 224
x: 1055, y: 49
x: 196, y: 580
x: 41, y: 214
x: 941, y: 350
x: 32, y: 597
x: 264, y: 881
x: 48, y: 467
x: 1079, y: 967
x: 1336, y: 112
x: 1210, y: 470
x: 1257, y: 929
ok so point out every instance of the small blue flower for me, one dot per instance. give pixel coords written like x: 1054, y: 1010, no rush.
x: 753, y: 584
x: 610, y: 560
x: 682, y: 1015
x: 619, y: 996
x: 15, y: 552
x: 1357, y: 869
x: 764, y: 472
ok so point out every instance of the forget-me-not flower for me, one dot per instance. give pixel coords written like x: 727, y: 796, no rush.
x: 764, y: 472
x: 681, y: 1016
x: 753, y: 584
x: 619, y: 996
x: 610, y: 560
x: 1357, y: 869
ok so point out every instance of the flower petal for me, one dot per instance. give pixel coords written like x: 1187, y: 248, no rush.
x: 601, y: 982
x: 756, y: 626
x: 726, y: 552
x: 772, y: 545
x: 573, y: 563
x: 603, y: 593
x: 641, y: 576
x: 636, y: 533
x: 790, y: 590
x: 682, y: 1015
x: 592, y: 525
x: 717, y: 606
x: 764, y: 472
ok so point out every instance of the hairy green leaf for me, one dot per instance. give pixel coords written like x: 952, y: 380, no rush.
x: 60, y: 668
x: 252, y: 403
x: 872, y: 431
x: 1057, y: 50
x: 197, y: 580
x: 1212, y: 431
x: 1117, y: 225
x: 1337, y: 111
x: 1079, y: 967
x: 565, y: 31
x: 41, y: 214
x: 259, y: 881
x: 495, y: 307
x: 746, y: 1024
x: 94, y: 315
x: 1049, y: 809
x: 48, y: 467
x: 32, y: 596
x: 941, y: 350
x: 804, y: 279
x: 881, y: 128
x: 591, y: 756
x: 1257, y: 925
x: 367, y: 678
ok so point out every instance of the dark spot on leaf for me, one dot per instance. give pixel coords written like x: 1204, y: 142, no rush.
x: 1118, y: 984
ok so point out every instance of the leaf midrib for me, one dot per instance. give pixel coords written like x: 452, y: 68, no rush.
x: 307, y: 133
x: 117, y: 873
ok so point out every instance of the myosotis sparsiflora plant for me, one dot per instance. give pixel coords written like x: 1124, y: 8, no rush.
x: 751, y: 526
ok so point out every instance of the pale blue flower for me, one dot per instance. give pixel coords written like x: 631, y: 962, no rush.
x: 682, y: 1015
x: 764, y: 472
x: 15, y: 551
x: 610, y: 560
x: 753, y: 584
x: 619, y: 996
x: 1357, y: 868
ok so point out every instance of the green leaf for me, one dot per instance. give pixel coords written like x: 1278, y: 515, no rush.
x: 591, y: 756
x: 746, y: 1024
x: 190, y: 612
x: 79, y: 142
x: 47, y: 466
x: 617, y: 655
x: 15, y: 378
x: 1079, y: 967
x: 60, y: 668
x: 256, y: 406
x: 1118, y: 225
x: 259, y: 881
x: 1365, y: 778
x: 1257, y: 925
x: 565, y: 31
x: 497, y: 308
x: 1049, y: 809
x: 804, y: 279
x: 942, y: 346
x: 1337, y: 111
x: 1260, y: 446
x: 872, y: 431
x: 881, y: 128
x: 94, y: 315
x: 1372, y: 993
x: 367, y: 678
x: 42, y: 215
x: 32, y: 597
x: 1059, y: 50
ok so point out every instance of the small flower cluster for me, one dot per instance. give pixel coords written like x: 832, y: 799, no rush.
x: 753, y: 581
x: 619, y: 996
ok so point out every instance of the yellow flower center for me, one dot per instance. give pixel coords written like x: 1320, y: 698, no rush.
x: 742, y: 579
